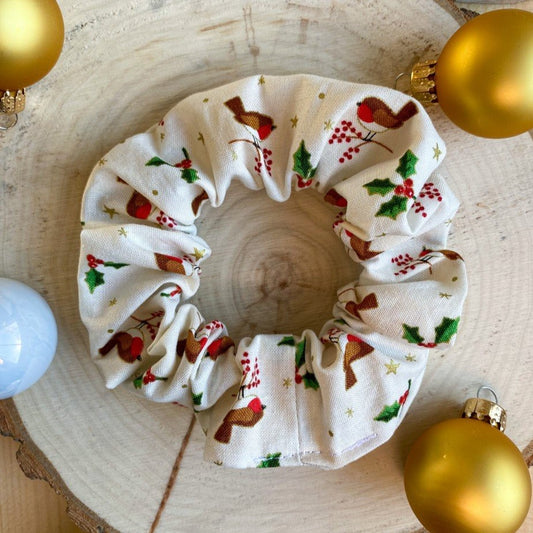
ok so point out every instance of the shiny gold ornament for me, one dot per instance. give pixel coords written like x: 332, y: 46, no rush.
x: 483, y: 78
x: 31, y: 38
x: 465, y: 476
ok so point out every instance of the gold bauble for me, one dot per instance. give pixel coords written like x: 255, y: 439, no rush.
x: 31, y: 38
x: 484, y: 75
x: 465, y: 476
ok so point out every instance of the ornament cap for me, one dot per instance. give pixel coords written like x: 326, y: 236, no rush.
x: 12, y: 102
x: 423, y: 82
x: 485, y: 410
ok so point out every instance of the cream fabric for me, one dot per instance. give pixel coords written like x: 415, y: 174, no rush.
x: 273, y: 400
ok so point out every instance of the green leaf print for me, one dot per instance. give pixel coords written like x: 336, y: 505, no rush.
x: 93, y: 278
x: 302, y: 162
x: 407, y: 164
x: 446, y: 329
x: 155, y: 162
x: 411, y: 334
x: 115, y: 265
x: 270, y: 461
x: 392, y: 208
x: 381, y: 187
x: 299, y: 357
x: 388, y: 412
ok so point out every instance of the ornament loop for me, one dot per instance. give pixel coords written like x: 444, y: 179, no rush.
x: 397, y: 79
x: 8, y: 121
x: 486, y: 387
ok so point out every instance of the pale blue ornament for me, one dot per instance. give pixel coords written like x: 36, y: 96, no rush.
x: 28, y: 337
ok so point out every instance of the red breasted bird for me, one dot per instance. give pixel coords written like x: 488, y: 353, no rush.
x: 263, y: 125
x: 129, y: 348
x: 246, y: 416
x: 376, y: 116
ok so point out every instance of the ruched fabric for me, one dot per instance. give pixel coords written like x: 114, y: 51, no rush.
x: 275, y: 400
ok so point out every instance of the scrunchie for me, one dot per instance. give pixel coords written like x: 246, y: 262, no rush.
x: 275, y: 400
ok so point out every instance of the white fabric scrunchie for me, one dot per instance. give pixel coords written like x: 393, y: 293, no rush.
x: 275, y: 400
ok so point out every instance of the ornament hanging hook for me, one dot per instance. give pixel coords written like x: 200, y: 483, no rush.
x: 398, y: 78
x: 486, y: 387
x: 7, y: 121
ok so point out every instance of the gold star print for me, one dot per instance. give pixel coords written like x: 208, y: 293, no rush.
x: 162, y: 136
x: 112, y: 302
x: 436, y: 152
x: 294, y: 121
x: 102, y: 162
x: 122, y: 232
x: 109, y: 211
x: 410, y: 357
x: 201, y: 137
x: 392, y: 367
x: 261, y: 80
x: 321, y: 96
x: 349, y: 412
x: 198, y: 253
x: 445, y: 295
x: 328, y: 125
x: 287, y: 382
x: 205, y: 100
x: 234, y: 155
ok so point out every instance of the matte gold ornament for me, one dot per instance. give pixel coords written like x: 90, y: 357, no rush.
x: 465, y: 476
x: 483, y: 78
x: 31, y: 38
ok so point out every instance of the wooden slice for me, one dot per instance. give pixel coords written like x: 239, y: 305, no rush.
x: 110, y: 453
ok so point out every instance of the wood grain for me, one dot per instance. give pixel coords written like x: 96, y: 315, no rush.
x: 123, y: 65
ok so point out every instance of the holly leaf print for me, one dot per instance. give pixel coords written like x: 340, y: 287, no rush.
x: 197, y: 398
x: 446, y: 329
x: 155, y: 162
x: 302, y: 162
x: 392, y: 208
x: 287, y: 341
x: 190, y: 175
x: 381, y: 187
x: 94, y: 279
x: 299, y: 357
x: 388, y: 412
x: 407, y: 164
x: 270, y: 461
x: 310, y: 381
x: 411, y: 334
x: 115, y: 265
x: 138, y: 382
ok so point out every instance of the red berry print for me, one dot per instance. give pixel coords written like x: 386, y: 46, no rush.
x: 164, y: 220
x: 147, y: 378
x: 409, y: 263
x: 263, y: 157
x: 248, y: 373
x: 429, y: 191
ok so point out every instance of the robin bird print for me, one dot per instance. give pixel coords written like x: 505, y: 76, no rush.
x: 263, y: 125
x: 192, y: 347
x: 129, y: 348
x: 247, y: 416
x: 376, y: 116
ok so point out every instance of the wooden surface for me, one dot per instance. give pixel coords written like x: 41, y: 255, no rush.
x: 111, y: 454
